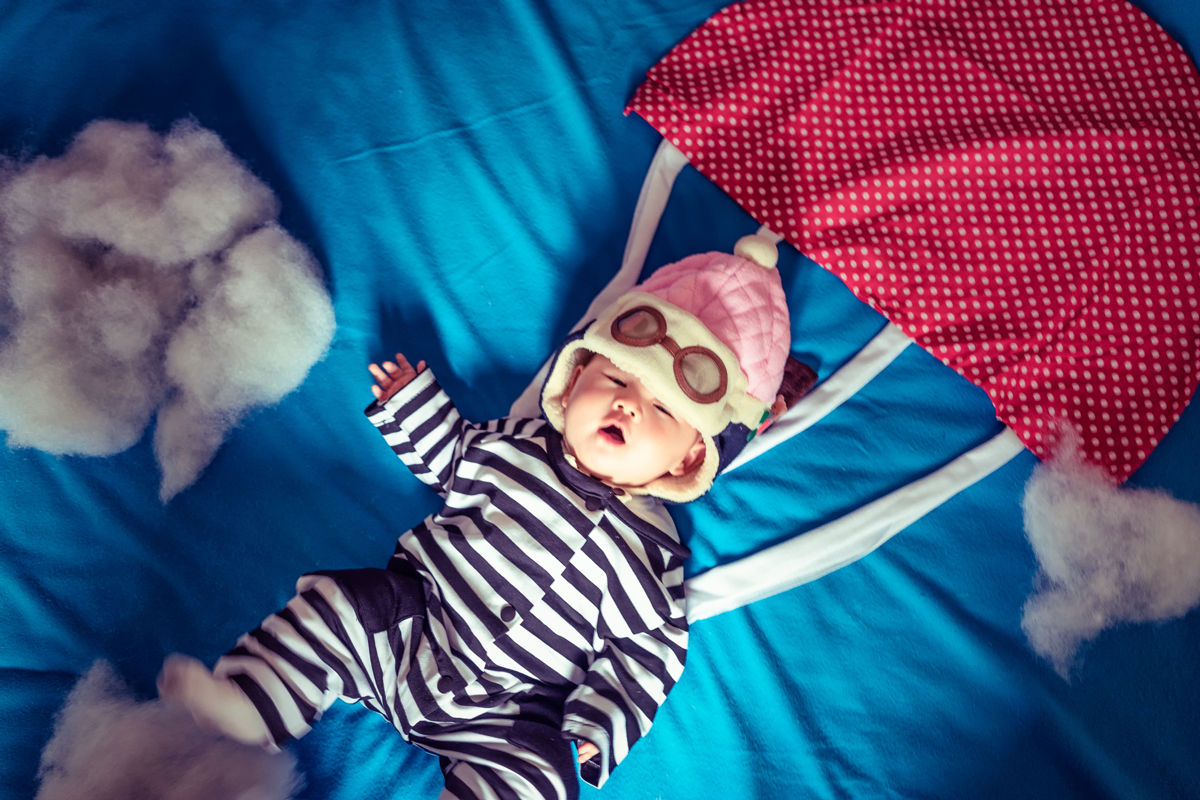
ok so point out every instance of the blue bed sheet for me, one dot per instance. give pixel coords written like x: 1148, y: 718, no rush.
x: 465, y: 177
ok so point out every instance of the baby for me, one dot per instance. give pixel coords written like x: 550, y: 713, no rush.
x: 544, y: 604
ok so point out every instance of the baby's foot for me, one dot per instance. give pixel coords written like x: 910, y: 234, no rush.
x: 217, y: 704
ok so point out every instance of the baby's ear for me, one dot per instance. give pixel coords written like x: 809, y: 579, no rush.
x: 693, y: 459
x: 566, y: 395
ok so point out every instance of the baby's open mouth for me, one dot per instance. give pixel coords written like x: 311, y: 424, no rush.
x: 614, y: 432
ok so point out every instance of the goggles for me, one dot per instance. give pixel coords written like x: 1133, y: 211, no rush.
x: 699, y: 371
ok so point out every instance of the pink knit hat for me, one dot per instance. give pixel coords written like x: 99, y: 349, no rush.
x: 709, y: 335
x: 740, y: 299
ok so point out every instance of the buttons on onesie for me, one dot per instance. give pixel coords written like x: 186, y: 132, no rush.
x: 507, y: 613
x: 445, y: 684
x: 597, y: 503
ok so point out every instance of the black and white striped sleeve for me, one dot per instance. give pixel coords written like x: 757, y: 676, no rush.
x: 629, y: 678
x: 424, y: 430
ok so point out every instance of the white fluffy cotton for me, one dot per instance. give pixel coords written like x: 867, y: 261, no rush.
x: 1108, y: 555
x: 142, y: 273
x: 108, y: 746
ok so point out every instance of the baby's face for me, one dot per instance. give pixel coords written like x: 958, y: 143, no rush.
x: 619, y: 432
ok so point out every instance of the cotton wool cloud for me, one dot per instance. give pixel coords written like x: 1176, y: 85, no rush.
x: 145, y: 275
x: 1107, y: 554
x: 109, y: 746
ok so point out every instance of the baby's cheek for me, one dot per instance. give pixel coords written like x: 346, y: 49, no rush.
x: 683, y: 436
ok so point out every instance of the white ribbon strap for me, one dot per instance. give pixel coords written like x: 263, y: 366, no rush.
x: 656, y: 189
x: 829, y: 394
x: 835, y: 544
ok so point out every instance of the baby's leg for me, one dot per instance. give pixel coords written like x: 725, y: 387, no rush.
x: 284, y: 674
x: 490, y: 761
x: 217, y: 704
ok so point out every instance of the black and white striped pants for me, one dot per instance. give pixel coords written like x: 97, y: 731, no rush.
x: 356, y: 635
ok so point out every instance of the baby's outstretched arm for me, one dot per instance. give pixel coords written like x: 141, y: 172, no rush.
x: 392, y: 377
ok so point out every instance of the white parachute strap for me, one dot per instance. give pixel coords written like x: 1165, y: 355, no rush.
x: 668, y: 162
x: 666, y: 165
x: 828, y: 394
x: 843, y: 541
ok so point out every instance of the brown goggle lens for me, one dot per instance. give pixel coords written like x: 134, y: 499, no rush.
x: 698, y: 371
x: 640, y: 327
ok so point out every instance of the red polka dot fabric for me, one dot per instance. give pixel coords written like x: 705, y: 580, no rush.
x: 1014, y: 184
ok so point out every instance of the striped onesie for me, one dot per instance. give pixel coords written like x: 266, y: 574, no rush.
x: 538, y: 606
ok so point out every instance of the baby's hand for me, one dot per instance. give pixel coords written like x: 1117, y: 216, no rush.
x: 778, y: 407
x: 391, y: 378
x: 586, y: 751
